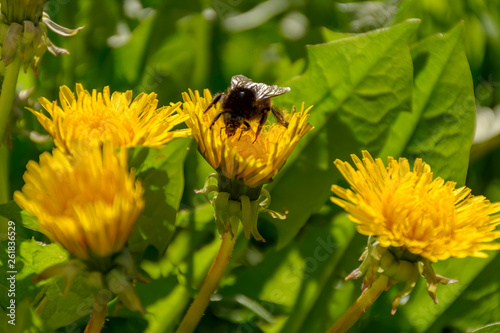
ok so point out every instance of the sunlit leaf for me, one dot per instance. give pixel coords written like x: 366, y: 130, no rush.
x: 441, y: 125
x: 161, y: 174
x: 358, y: 86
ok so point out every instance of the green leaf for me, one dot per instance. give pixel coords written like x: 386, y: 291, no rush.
x: 441, y: 126
x: 31, y: 257
x: 58, y: 309
x: 11, y: 211
x: 161, y: 173
x: 358, y: 86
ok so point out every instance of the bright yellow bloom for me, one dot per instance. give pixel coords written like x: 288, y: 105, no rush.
x: 87, y: 202
x: 411, y: 210
x: 239, y: 158
x: 101, y: 117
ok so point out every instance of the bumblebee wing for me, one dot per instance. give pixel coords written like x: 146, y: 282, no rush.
x: 241, y: 81
x: 264, y: 91
x: 261, y: 90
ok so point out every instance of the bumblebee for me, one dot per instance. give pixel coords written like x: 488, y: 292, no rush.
x: 246, y: 101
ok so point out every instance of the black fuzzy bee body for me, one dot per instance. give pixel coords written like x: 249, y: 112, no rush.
x: 246, y: 101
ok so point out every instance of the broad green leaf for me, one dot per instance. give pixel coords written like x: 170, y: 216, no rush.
x: 161, y: 174
x: 58, y: 309
x: 441, y: 125
x: 358, y: 86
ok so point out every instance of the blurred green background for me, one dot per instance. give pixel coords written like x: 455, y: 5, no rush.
x: 169, y: 47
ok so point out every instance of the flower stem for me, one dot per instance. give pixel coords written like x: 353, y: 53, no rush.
x: 97, y: 318
x: 4, y: 188
x: 6, y: 99
x: 8, y: 92
x: 197, y: 308
x: 351, y: 316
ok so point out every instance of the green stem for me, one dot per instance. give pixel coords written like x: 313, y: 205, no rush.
x: 8, y: 92
x: 351, y: 316
x: 4, y: 187
x: 197, y: 308
x: 6, y: 99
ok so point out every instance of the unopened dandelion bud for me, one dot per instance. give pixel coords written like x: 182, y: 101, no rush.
x: 29, y: 14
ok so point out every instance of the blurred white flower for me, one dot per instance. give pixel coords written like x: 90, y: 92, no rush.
x: 294, y: 25
x: 370, y: 15
x: 487, y: 123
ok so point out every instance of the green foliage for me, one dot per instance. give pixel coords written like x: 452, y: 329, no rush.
x: 161, y: 173
x: 406, y: 89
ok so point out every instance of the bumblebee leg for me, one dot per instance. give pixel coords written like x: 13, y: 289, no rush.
x: 213, y: 102
x: 244, y: 129
x: 217, y: 116
x: 247, y: 125
x: 261, y: 123
x: 280, y: 118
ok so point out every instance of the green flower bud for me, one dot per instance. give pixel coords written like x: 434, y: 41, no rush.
x: 26, y: 32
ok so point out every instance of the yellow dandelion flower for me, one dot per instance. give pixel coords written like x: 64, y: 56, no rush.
x: 239, y: 157
x: 103, y: 117
x: 410, y: 209
x: 413, y: 220
x: 87, y: 202
x: 243, y: 164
